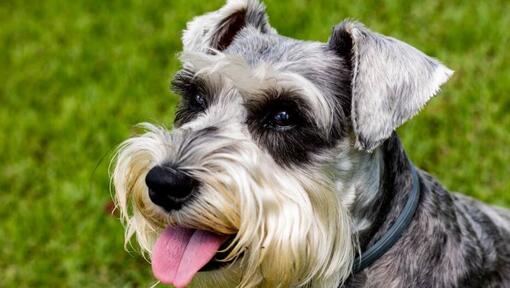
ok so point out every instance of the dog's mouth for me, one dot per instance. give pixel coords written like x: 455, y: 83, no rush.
x: 179, y: 253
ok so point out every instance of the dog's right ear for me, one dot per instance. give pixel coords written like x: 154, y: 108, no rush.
x: 216, y: 30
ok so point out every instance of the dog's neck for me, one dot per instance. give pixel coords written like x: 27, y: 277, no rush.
x: 370, y: 186
x: 359, y: 176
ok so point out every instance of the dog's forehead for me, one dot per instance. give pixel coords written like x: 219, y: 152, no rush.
x: 281, y: 52
x: 256, y: 63
x: 314, y: 61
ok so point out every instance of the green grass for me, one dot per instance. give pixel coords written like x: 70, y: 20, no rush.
x: 76, y: 76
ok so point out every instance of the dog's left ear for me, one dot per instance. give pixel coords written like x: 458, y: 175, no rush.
x: 391, y: 81
x: 216, y: 30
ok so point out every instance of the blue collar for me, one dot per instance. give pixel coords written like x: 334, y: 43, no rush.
x: 393, y: 234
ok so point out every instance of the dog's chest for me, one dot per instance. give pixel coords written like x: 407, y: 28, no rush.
x: 455, y: 241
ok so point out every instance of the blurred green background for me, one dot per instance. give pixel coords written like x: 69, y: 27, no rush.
x: 76, y: 76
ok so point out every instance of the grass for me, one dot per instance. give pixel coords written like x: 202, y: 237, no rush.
x: 78, y: 75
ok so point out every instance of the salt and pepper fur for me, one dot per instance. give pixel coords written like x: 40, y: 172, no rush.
x: 300, y: 218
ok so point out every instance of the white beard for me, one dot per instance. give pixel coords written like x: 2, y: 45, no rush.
x: 290, y: 226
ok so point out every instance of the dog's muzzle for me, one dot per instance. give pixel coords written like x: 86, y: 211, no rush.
x: 174, y: 256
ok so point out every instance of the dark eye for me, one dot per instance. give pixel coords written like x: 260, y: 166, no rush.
x: 281, y: 119
x: 198, y: 101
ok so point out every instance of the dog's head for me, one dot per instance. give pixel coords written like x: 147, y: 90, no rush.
x: 269, y: 131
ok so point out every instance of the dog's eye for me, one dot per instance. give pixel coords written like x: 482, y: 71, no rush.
x: 198, y: 102
x: 281, y: 120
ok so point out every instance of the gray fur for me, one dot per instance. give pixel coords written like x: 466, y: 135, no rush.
x: 391, y: 81
x: 453, y: 241
x: 353, y: 92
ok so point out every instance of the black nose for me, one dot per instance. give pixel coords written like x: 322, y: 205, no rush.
x: 169, y: 187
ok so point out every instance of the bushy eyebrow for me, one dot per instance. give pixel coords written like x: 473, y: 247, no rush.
x: 182, y: 82
x: 187, y: 84
x: 250, y: 81
x: 232, y: 67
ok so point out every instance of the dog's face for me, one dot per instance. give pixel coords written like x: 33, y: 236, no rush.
x: 269, y: 133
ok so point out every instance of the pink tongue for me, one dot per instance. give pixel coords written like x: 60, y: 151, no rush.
x: 180, y: 252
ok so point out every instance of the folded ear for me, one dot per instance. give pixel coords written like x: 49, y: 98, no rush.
x: 216, y: 30
x: 391, y: 81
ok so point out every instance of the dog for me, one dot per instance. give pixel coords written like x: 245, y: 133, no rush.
x: 284, y: 168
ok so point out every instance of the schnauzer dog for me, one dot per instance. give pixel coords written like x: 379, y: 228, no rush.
x: 284, y: 169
